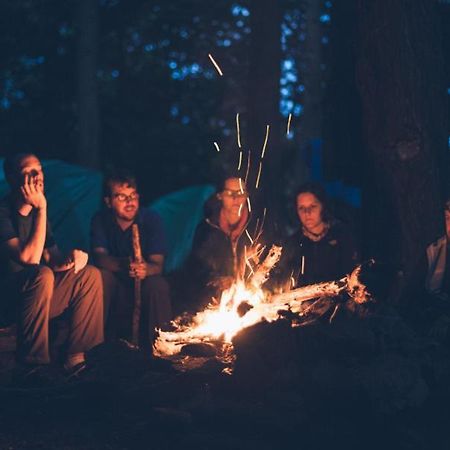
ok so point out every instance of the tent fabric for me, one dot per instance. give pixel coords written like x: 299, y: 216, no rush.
x: 74, y: 194
x: 181, y: 212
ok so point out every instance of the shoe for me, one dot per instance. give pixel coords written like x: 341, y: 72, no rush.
x: 76, y: 372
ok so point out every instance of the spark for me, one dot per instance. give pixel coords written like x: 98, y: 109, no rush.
x: 240, y: 160
x: 303, y: 264
x: 292, y: 282
x: 240, y: 186
x: 217, y: 146
x: 265, y: 141
x: 240, y: 209
x: 238, y: 130
x: 249, y: 205
x: 288, y: 128
x: 248, y: 235
x: 247, y: 261
x: 248, y: 166
x: 215, y: 64
x: 259, y: 175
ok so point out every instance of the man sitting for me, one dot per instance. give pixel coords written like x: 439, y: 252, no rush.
x: 112, y: 247
x: 40, y: 281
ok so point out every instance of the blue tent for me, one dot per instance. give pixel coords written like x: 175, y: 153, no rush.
x: 74, y: 194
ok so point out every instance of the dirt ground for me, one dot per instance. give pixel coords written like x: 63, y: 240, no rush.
x: 352, y: 384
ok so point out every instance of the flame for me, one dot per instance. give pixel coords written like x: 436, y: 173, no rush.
x: 216, y: 322
x: 245, y: 304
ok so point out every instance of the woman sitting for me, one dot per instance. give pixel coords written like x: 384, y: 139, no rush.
x: 322, y: 249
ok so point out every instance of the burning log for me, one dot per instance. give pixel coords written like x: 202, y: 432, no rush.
x: 262, y: 272
x: 243, y: 305
x: 350, y: 283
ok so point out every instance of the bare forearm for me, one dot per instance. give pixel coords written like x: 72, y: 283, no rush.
x: 31, y: 252
x: 153, y: 268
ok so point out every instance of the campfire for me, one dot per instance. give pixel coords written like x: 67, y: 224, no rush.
x: 245, y: 303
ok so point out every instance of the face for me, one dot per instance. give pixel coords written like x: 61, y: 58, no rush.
x: 124, y: 201
x: 447, y: 222
x: 30, y: 167
x: 309, y: 210
x: 233, y: 195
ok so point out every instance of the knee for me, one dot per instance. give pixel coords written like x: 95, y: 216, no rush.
x: 91, y: 275
x: 156, y: 284
x: 42, y: 276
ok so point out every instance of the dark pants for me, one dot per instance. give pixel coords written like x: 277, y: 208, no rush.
x: 38, y: 294
x: 156, y: 310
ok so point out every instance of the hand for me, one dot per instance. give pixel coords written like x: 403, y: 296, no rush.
x: 138, y: 270
x: 79, y: 259
x: 33, y: 192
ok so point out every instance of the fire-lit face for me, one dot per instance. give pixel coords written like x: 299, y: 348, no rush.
x: 233, y: 196
x: 447, y: 222
x: 124, y: 201
x: 309, y: 210
x: 30, y: 166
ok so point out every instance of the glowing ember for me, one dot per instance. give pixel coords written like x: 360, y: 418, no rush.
x: 249, y: 204
x: 238, y: 131
x: 288, y: 128
x: 259, y: 175
x: 265, y: 141
x: 248, y: 166
x: 215, y: 64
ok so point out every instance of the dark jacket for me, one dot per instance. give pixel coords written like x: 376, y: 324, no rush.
x: 213, y: 254
x: 329, y: 259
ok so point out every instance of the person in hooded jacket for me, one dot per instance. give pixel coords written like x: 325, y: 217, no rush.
x: 222, y: 242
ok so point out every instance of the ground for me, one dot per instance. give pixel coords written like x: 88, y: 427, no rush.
x: 356, y: 382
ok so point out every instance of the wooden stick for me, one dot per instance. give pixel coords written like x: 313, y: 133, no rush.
x: 137, y: 256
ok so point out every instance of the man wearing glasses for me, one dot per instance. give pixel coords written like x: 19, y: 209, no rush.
x: 112, y: 248
x: 41, y: 282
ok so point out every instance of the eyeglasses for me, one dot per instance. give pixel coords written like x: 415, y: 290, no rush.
x: 234, y: 194
x: 122, y: 198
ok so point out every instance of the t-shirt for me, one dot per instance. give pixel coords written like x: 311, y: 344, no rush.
x: 106, y: 233
x: 14, y: 225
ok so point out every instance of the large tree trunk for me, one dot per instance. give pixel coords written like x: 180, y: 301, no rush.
x: 264, y: 98
x: 88, y: 115
x: 404, y: 119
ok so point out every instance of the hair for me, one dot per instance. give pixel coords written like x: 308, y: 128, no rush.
x: 220, y: 186
x: 319, y: 192
x: 118, y: 177
x: 11, y: 165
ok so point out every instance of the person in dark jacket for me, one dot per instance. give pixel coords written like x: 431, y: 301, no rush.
x: 322, y: 249
x: 222, y: 243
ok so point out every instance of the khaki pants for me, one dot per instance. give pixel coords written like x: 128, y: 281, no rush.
x: 38, y: 294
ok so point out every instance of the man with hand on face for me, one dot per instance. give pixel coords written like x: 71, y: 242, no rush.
x: 112, y: 247
x: 40, y: 281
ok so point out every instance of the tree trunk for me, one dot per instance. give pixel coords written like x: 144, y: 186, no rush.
x: 263, y: 101
x: 88, y: 114
x: 404, y: 122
